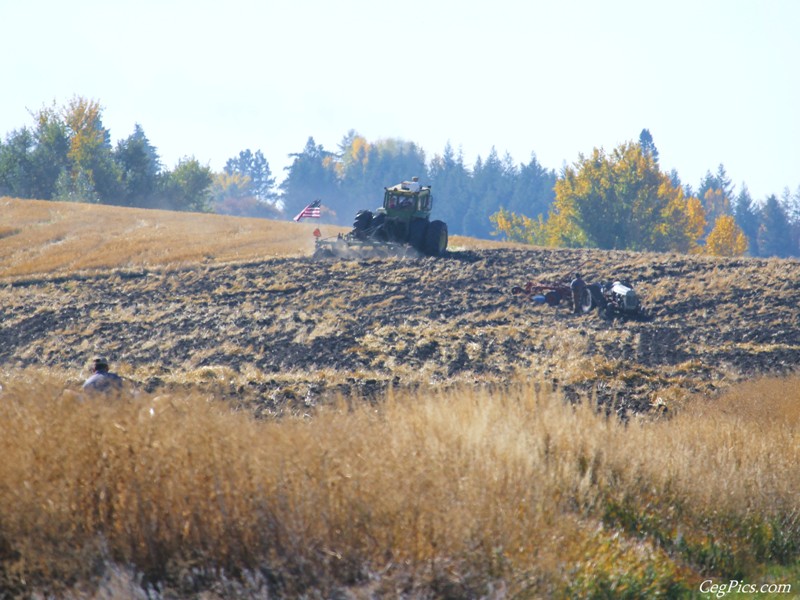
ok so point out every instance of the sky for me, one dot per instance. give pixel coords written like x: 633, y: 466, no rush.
x: 716, y: 82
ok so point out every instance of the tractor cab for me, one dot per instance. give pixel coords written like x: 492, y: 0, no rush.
x: 404, y: 202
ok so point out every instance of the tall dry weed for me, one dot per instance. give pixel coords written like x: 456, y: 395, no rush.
x: 457, y: 492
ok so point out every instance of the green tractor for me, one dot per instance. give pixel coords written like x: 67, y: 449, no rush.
x: 401, y: 226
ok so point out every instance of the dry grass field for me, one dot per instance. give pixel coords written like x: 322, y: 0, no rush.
x: 393, y: 427
x: 40, y: 237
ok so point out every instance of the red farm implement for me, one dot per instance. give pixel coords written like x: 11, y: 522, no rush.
x: 551, y: 294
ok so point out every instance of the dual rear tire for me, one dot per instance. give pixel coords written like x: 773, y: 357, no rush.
x: 427, y: 238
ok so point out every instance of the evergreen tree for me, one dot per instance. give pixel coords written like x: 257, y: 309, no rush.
x: 49, y: 158
x: 312, y: 176
x: 492, y: 187
x: 791, y: 206
x: 140, y: 167
x: 747, y: 218
x: 352, y: 148
x: 647, y: 145
x: 32, y: 160
x: 719, y: 202
x: 353, y: 168
x: 76, y: 185
x: 365, y: 169
x: 256, y: 168
x: 774, y: 232
x: 450, y: 182
x: 16, y: 165
x: 689, y: 192
x: 533, y: 192
x: 675, y: 181
x: 389, y: 162
x: 411, y: 162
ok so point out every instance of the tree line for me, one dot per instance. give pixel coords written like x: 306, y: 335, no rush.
x: 622, y: 200
x: 619, y: 199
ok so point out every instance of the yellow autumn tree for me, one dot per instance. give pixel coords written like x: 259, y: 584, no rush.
x: 354, y: 154
x: 230, y: 185
x: 519, y: 228
x: 715, y: 204
x: 619, y: 200
x: 682, y: 222
x: 561, y: 229
x: 727, y: 238
x: 93, y: 173
x: 697, y: 223
x: 85, y: 126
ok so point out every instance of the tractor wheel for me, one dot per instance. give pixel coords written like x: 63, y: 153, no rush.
x: 362, y: 223
x: 416, y: 234
x: 379, y: 231
x: 597, y: 295
x: 587, y: 301
x: 363, y: 219
x: 592, y: 296
x: 435, y: 238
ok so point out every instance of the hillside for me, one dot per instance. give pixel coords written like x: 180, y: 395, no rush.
x: 237, y: 307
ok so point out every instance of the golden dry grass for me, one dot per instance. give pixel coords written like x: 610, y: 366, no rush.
x: 50, y: 237
x: 452, y: 494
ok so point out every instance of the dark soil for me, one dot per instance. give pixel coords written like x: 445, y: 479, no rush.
x: 296, y: 332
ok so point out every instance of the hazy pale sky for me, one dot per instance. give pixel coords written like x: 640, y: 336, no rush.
x: 715, y: 81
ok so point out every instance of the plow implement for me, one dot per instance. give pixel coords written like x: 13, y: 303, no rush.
x: 551, y: 294
x: 348, y: 246
x: 614, y: 299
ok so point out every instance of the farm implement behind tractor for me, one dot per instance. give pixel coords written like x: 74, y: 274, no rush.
x: 402, y: 226
x: 611, y: 299
x: 551, y: 294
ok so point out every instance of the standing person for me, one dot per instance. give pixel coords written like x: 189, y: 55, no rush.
x: 102, y: 380
x: 576, y: 286
x: 414, y: 185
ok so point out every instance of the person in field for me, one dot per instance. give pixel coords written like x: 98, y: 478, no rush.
x: 102, y: 380
x: 576, y: 286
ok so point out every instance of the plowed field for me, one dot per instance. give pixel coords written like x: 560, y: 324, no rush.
x: 288, y: 333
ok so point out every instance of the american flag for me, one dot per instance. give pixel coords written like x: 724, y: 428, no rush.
x: 311, y: 211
